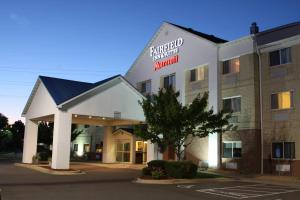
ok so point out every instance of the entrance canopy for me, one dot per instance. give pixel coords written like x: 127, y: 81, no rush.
x: 110, y: 102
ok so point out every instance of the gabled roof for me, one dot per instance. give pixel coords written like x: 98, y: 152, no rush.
x: 62, y: 90
x: 128, y: 131
x: 278, y: 33
x: 65, y: 91
x: 211, y: 38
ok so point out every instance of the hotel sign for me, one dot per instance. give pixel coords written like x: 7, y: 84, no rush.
x: 164, y: 51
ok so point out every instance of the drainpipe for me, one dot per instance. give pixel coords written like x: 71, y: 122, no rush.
x: 261, y: 105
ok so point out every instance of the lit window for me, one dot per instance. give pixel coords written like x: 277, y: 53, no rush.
x: 197, y: 74
x: 231, y: 66
x: 280, y: 57
x: 282, y: 100
x: 232, y: 149
x: 283, y: 150
x: 86, y: 148
x: 232, y: 104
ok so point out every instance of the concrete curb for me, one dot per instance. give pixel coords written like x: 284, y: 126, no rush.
x: 49, y: 171
x: 177, y: 181
x: 113, y: 165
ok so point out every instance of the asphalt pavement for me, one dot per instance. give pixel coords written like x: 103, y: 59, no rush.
x: 19, y: 183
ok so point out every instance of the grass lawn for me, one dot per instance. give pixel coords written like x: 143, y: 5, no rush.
x: 207, y: 175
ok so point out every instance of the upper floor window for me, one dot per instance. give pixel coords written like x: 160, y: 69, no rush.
x: 282, y: 100
x: 169, y: 81
x: 232, y: 149
x: 144, y: 87
x: 231, y: 66
x: 283, y: 150
x: 197, y: 74
x: 281, y: 56
x: 232, y: 104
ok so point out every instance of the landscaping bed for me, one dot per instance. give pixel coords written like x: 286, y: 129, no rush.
x: 163, y: 170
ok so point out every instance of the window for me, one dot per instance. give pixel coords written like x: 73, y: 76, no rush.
x: 280, y: 57
x: 169, y: 81
x: 197, y: 74
x: 282, y: 100
x: 98, y: 147
x: 232, y: 149
x: 283, y: 150
x: 86, y: 148
x: 123, y: 151
x: 231, y: 66
x: 75, y: 147
x: 232, y: 104
x: 145, y: 87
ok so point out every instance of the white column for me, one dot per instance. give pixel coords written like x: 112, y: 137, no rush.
x: 61, y: 140
x: 108, y: 155
x: 30, y: 141
x: 213, y: 101
x: 132, y: 150
x: 150, y: 151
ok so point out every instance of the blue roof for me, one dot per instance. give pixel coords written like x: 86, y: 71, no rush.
x: 62, y: 90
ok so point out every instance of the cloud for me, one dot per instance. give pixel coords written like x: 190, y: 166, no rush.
x: 19, y: 20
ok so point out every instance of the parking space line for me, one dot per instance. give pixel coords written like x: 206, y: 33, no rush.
x: 230, y: 187
x: 232, y: 195
x: 248, y: 191
x: 274, y: 193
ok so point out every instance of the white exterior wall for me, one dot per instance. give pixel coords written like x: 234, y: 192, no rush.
x: 236, y: 48
x: 195, y: 51
x: 117, y: 98
x: 42, y: 104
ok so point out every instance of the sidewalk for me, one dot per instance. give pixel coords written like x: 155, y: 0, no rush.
x: 292, y: 181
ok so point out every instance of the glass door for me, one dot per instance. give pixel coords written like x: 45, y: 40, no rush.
x: 123, y: 151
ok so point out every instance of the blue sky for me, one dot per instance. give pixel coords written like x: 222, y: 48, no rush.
x: 89, y: 40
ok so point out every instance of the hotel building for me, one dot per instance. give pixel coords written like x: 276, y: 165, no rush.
x: 257, y: 77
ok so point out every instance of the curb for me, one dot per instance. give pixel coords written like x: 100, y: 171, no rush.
x: 49, y: 171
x: 177, y: 181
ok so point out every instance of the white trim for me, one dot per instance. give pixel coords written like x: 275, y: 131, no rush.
x: 102, y: 85
x: 232, y: 97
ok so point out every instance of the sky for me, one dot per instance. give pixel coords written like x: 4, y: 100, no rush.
x: 89, y: 40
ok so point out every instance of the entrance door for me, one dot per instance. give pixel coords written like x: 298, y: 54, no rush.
x: 123, y: 151
x: 140, y: 152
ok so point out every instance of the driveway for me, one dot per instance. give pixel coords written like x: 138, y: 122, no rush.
x: 19, y: 183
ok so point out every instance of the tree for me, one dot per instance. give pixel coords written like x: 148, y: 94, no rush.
x: 169, y: 123
x: 45, y: 132
x: 17, y: 129
x: 4, y: 132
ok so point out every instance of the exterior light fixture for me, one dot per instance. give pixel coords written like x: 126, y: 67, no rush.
x: 75, y: 115
x: 90, y: 117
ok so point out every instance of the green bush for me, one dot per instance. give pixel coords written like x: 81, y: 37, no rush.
x: 154, y: 164
x: 43, y: 156
x: 146, y: 171
x: 158, y: 174
x: 181, y: 169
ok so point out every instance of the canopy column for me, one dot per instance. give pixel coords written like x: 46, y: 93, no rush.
x: 61, y: 140
x: 30, y: 141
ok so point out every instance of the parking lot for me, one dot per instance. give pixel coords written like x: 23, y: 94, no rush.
x: 18, y: 183
x: 245, y: 191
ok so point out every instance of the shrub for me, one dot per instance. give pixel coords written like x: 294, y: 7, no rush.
x: 43, y: 156
x: 158, y: 174
x: 154, y: 164
x: 146, y: 171
x: 181, y: 169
